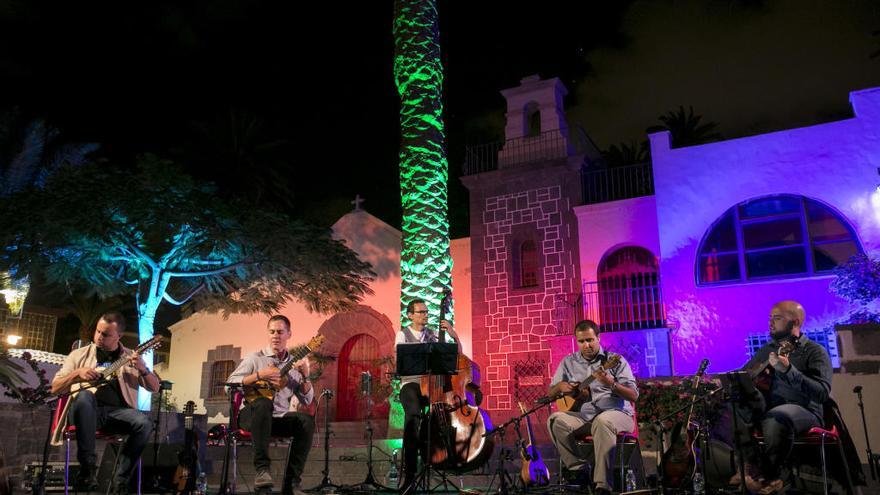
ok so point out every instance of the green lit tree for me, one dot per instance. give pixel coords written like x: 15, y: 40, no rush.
x: 155, y: 232
x: 425, y: 262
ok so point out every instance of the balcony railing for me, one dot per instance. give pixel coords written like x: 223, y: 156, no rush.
x: 612, y: 184
x: 549, y: 145
x: 627, y: 302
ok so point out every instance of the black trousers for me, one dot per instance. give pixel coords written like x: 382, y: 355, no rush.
x: 256, y: 417
x: 88, y: 416
x: 413, y: 403
x: 779, y: 426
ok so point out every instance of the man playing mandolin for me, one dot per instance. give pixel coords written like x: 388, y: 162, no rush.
x: 799, y: 383
x: 112, y: 406
x: 265, y: 417
x: 604, y: 408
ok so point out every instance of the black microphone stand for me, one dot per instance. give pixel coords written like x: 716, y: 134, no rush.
x: 326, y: 394
x: 370, y: 483
x: 157, y: 479
x: 39, y: 486
x: 230, y: 432
x: 872, y: 461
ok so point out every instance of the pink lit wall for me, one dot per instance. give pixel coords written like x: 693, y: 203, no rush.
x: 606, y: 227
x: 835, y: 163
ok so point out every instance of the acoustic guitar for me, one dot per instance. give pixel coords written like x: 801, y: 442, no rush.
x: 762, y: 373
x: 574, y: 400
x: 184, y: 480
x: 534, y: 472
x: 262, y: 388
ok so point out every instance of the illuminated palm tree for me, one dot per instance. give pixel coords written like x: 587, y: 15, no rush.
x: 425, y: 263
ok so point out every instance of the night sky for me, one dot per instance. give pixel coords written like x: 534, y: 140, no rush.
x: 166, y: 78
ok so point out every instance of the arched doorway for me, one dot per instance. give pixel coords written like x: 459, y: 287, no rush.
x: 629, y: 290
x: 360, y: 354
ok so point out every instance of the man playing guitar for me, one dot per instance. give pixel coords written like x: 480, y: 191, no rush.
x: 265, y: 417
x: 606, y: 410
x: 106, y: 405
x: 799, y: 383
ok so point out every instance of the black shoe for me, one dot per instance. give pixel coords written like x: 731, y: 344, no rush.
x: 120, y: 488
x: 86, y: 480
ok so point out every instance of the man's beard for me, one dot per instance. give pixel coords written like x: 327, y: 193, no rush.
x: 784, y: 333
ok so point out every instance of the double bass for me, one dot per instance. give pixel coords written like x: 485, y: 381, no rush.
x: 457, y: 424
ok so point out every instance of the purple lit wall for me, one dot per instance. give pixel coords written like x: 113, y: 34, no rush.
x: 834, y: 163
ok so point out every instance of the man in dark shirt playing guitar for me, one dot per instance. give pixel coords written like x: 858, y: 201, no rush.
x: 797, y: 384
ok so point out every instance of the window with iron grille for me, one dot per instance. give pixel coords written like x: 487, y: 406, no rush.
x: 773, y: 237
x: 827, y: 339
x: 220, y: 372
x: 530, y: 380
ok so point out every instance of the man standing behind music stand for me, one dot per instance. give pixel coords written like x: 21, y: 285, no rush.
x: 411, y: 397
x: 264, y: 417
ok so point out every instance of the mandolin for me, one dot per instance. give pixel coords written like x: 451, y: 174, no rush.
x: 762, y: 373
x: 262, y: 388
x: 108, y: 373
x: 581, y: 395
x: 184, y: 480
x: 679, y: 461
x: 534, y: 472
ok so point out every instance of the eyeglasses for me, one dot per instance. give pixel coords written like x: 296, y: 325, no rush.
x: 423, y: 312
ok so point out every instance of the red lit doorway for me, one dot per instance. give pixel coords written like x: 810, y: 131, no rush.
x: 359, y: 354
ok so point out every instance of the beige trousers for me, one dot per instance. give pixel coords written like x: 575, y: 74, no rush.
x: 604, y: 429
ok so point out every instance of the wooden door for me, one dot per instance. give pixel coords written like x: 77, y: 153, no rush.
x: 358, y: 355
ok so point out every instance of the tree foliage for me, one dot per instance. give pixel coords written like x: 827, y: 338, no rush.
x: 686, y: 128
x: 157, y: 232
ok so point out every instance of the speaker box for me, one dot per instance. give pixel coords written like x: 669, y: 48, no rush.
x: 155, y: 475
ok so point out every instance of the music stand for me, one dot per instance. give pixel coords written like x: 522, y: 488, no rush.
x: 431, y: 359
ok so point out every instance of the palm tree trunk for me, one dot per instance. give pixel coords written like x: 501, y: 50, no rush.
x: 425, y: 262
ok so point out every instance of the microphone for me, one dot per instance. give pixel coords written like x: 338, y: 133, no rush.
x: 703, y: 365
x: 328, y: 393
x: 857, y: 389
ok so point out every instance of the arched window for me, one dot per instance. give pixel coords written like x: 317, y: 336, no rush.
x: 220, y: 372
x: 528, y: 264
x: 782, y: 236
x: 532, y: 120
x: 629, y: 290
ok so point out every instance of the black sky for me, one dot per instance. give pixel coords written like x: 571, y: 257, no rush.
x: 135, y: 77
